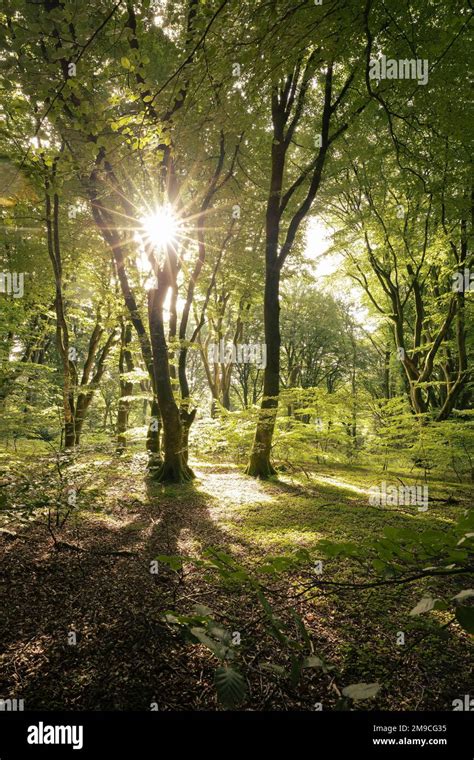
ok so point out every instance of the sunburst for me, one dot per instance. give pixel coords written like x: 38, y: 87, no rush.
x: 161, y: 227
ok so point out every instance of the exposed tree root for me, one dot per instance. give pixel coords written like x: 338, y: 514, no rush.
x: 65, y: 545
x: 260, y: 467
x: 173, y: 472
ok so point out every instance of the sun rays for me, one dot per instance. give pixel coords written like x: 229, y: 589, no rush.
x: 161, y: 228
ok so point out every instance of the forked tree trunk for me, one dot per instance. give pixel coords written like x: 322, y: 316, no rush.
x: 287, y: 106
x: 105, y: 222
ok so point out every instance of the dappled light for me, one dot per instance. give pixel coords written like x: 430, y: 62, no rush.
x: 236, y: 388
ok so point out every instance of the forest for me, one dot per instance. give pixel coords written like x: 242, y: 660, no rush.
x: 236, y: 347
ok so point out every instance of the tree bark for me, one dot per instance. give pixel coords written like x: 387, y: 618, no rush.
x: 288, y: 101
x: 260, y: 465
x: 105, y: 223
x: 126, y: 386
x: 88, y: 389
x: 174, y: 467
x: 62, y: 332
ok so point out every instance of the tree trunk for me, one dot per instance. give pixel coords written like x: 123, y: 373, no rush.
x: 386, y: 374
x: 153, y: 433
x: 62, y: 332
x: 81, y: 409
x: 284, y: 99
x: 126, y: 386
x: 187, y: 419
x: 69, y: 434
x: 105, y: 223
x: 260, y: 465
x: 89, y: 385
x: 174, y: 467
x: 226, y: 397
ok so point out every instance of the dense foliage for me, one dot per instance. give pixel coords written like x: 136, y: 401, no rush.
x: 226, y: 242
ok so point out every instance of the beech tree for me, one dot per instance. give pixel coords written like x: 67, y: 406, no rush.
x: 320, y: 79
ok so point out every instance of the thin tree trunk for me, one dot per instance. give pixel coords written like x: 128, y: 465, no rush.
x: 126, y: 386
x: 88, y: 387
x: 62, y: 332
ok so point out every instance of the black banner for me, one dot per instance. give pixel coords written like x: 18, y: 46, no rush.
x: 117, y: 735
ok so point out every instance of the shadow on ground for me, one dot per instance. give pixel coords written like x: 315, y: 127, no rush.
x: 82, y: 629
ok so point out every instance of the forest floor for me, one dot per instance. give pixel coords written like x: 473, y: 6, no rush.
x: 58, y: 580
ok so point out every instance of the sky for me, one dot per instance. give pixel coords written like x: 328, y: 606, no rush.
x: 325, y: 268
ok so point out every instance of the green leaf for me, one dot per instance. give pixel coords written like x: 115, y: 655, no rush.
x: 221, y: 651
x: 465, y: 618
x: 295, y: 670
x: 466, y: 594
x: 428, y: 603
x: 273, y: 668
x: 202, y: 609
x: 173, y: 561
x: 313, y: 662
x: 125, y: 63
x: 230, y: 686
x: 361, y: 690
x: 339, y: 549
